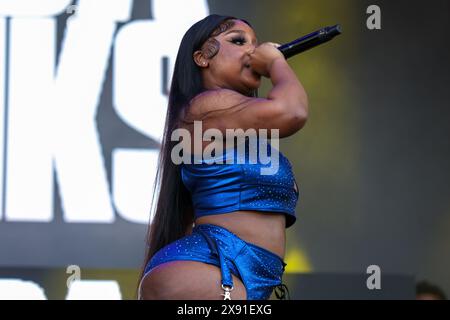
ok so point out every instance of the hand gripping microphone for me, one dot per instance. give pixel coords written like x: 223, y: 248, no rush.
x: 309, y: 41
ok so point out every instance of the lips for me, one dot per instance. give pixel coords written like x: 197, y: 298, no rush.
x: 247, y: 66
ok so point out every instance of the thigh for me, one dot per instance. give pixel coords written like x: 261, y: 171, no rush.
x: 187, y: 280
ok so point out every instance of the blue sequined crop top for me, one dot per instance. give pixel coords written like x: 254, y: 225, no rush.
x: 218, y: 188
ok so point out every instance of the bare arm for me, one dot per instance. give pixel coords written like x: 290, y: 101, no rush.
x: 285, y: 108
x: 289, y: 96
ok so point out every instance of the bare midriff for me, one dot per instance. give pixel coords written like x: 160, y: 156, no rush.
x: 264, y: 229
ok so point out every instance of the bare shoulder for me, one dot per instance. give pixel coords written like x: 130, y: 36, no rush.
x: 217, y: 99
x: 224, y: 109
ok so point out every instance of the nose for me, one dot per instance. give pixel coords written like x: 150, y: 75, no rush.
x: 251, y: 49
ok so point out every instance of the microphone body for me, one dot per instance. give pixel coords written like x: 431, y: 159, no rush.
x: 309, y: 41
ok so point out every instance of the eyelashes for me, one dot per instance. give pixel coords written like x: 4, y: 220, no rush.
x: 240, y: 41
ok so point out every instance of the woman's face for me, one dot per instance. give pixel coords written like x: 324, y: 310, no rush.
x: 224, y: 58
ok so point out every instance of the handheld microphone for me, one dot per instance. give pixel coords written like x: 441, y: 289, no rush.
x: 309, y: 41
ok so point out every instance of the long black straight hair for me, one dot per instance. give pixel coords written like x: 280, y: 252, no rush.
x: 173, y: 209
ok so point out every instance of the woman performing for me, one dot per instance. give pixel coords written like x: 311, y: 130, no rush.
x: 218, y: 231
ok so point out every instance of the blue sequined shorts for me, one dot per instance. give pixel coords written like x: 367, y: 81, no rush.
x: 259, y: 269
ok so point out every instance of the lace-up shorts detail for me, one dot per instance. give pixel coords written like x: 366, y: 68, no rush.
x: 259, y: 269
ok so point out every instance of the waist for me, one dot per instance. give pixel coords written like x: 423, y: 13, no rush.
x: 264, y: 229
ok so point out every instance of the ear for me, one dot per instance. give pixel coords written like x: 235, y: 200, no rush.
x: 199, y: 59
